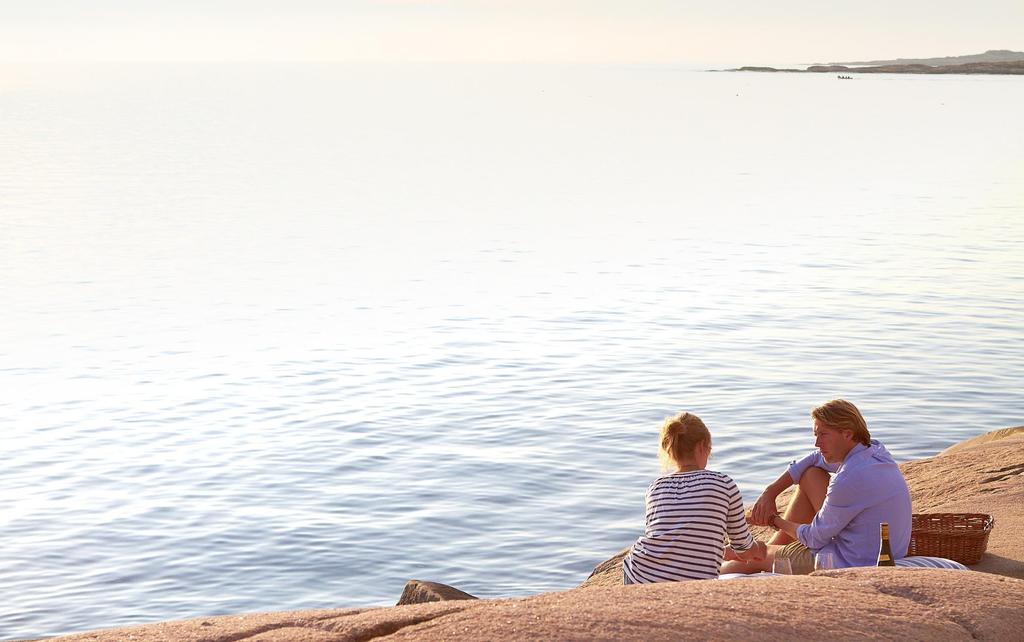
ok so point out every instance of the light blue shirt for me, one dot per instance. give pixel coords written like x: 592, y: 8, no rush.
x: 866, y: 490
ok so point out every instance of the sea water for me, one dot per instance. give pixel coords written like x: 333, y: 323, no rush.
x: 285, y: 336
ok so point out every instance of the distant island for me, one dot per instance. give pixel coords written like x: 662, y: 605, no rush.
x: 992, y: 55
x: 994, y: 61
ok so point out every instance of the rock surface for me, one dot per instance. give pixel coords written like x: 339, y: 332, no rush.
x: 898, y: 603
x: 993, y: 435
x: 420, y: 591
x: 891, y: 603
x: 987, y: 477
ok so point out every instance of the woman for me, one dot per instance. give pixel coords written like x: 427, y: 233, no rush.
x: 689, y: 513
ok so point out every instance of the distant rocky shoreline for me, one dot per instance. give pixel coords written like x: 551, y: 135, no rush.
x: 1005, y: 68
x: 993, y: 61
x: 992, y: 55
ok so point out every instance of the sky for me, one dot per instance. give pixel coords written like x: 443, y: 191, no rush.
x: 562, y: 31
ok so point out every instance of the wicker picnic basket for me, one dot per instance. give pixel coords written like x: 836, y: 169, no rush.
x: 956, y: 536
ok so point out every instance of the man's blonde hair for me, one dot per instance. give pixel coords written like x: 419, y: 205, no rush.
x: 679, y: 437
x: 840, y: 414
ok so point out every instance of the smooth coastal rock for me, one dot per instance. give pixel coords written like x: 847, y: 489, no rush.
x: 994, y: 435
x: 985, y: 474
x: 420, y: 591
x: 898, y: 603
x: 985, y: 477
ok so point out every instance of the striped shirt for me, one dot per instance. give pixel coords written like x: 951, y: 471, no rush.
x: 689, y: 514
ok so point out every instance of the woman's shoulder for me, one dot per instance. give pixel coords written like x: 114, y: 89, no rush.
x: 694, y: 475
x: 722, y: 476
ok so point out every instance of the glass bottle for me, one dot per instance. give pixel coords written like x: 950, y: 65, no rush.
x: 884, y: 551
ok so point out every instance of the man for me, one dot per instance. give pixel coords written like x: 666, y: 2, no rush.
x: 839, y: 515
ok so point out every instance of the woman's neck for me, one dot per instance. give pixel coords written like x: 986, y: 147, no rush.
x: 687, y: 467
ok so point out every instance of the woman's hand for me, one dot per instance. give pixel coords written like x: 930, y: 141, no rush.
x: 763, y: 510
x: 755, y: 553
x: 730, y: 554
x: 762, y: 550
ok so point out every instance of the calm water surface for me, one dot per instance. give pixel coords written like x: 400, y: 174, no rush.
x: 281, y: 337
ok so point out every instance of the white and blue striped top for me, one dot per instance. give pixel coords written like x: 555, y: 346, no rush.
x: 689, y: 514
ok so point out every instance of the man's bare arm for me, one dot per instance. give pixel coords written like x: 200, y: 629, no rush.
x: 784, y: 525
x: 764, y: 507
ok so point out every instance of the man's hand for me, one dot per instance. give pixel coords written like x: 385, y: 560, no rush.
x: 763, y: 509
x: 730, y: 554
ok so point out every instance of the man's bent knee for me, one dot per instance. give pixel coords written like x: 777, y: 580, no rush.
x: 814, y: 476
x: 814, y: 486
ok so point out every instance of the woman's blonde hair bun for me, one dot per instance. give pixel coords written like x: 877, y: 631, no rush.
x: 680, y: 436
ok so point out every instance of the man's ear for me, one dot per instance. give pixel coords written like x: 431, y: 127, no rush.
x: 849, y: 435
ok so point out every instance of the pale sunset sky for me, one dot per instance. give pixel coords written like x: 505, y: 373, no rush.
x: 614, y: 31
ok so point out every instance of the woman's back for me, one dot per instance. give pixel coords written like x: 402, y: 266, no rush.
x: 689, y: 514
